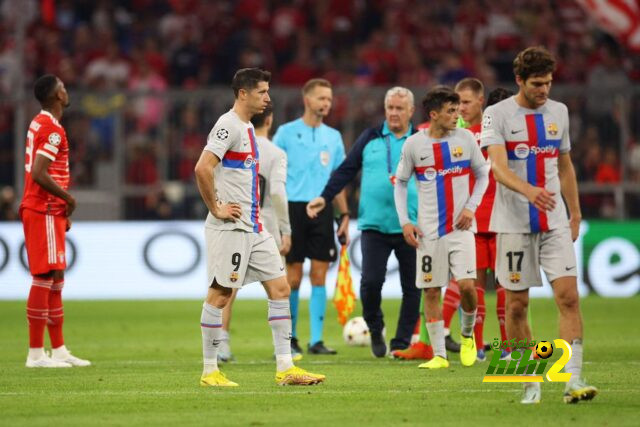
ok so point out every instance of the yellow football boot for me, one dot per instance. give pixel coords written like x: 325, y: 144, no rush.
x: 298, y: 376
x: 216, y: 379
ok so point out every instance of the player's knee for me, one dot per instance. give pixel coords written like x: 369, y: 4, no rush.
x: 467, y: 286
x: 432, y: 294
x: 517, y: 309
x: 317, y: 277
x: 568, y: 302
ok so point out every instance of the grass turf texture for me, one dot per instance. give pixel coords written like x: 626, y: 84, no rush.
x: 147, y: 363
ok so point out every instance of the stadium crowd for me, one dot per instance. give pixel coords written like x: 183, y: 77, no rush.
x: 124, y: 63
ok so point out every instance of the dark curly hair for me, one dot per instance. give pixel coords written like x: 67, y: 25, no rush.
x: 533, y: 61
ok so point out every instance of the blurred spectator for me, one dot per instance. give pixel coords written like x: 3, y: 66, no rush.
x: 148, y: 88
x: 609, y: 168
x: 111, y: 69
x: 8, y: 204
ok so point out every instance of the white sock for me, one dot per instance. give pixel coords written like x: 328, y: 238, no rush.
x: 211, y: 326
x: 447, y: 331
x: 574, y: 366
x: 467, y: 322
x: 280, y: 322
x: 436, y: 335
x: 224, y: 335
x: 36, y: 353
x: 60, y: 352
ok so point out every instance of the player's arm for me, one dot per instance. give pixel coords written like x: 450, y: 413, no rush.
x: 400, y: 194
x: 340, y: 200
x: 40, y: 174
x: 480, y: 169
x: 569, y: 189
x: 206, y: 185
x: 279, y: 201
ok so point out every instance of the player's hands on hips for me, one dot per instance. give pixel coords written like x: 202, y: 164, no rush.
x: 343, y: 229
x: 315, y: 206
x: 71, y: 205
x: 411, y: 234
x: 465, y: 219
x: 229, y: 211
x: 541, y: 198
x: 285, y: 244
x: 574, y: 223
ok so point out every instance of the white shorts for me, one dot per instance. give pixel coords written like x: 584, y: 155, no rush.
x: 440, y: 259
x: 236, y: 258
x: 520, y: 256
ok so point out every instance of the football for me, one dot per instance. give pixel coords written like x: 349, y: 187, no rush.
x: 356, y: 332
x: 544, y: 349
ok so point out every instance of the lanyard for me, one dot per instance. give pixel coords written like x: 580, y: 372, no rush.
x: 392, y: 177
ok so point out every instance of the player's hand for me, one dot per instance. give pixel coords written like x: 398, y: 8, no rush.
x: 411, y: 235
x: 285, y: 244
x: 574, y: 223
x: 465, y: 219
x: 68, y: 225
x: 71, y: 206
x: 541, y: 198
x: 343, y: 230
x: 315, y: 206
x: 228, y: 211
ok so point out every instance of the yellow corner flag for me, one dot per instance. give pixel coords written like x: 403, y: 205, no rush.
x: 344, y: 298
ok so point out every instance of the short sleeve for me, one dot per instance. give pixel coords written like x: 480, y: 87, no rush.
x: 49, y: 141
x: 339, y: 154
x: 405, y: 165
x: 221, y: 138
x: 565, y: 142
x: 492, y: 128
x: 279, y: 138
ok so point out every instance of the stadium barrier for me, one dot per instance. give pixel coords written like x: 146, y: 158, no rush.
x: 156, y: 260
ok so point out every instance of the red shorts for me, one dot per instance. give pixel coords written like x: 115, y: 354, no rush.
x: 44, y: 241
x: 485, y: 251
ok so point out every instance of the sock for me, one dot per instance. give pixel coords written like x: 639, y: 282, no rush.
x: 480, y: 314
x: 468, y: 319
x: 500, y: 311
x: 56, y: 315
x: 224, y: 335
x: 294, y: 299
x: 317, y: 307
x: 574, y: 366
x: 38, y: 311
x: 36, y: 353
x: 424, y: 336
x: 450, y: 304
x: 60, y: 352
x: 280, y: 322
x: 211, y: 326
x: 436, y: 334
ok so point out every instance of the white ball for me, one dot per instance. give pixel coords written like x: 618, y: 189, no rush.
x: 356, y: 332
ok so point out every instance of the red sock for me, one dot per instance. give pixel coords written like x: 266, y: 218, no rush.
x: 500, y: 310
x: 451, y: 302
x: 37, y: 310
x: 480, y: 314
x: 56, y: 315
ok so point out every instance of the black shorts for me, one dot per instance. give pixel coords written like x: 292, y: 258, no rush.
x: 311, y: 238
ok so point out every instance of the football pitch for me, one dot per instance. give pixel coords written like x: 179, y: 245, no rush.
x: 147, y: 363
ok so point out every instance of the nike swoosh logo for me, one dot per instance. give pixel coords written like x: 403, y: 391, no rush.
x: 569, y: 268
x: 470, y: 271
x: 513, y: 132
x: 215, y: 343
x: 281, y: 268
x: 424, y: 158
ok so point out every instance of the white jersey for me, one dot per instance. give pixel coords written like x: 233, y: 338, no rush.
x: 236, y: 176
x: 533, y: 139
x: 442, y: 168
x: 273, y: 168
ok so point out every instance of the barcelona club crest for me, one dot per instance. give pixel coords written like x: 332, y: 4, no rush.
x: 552, y: 129
x: 234, y: 276
x: 514, y: 277
x: 457, y: 151
x: 427, y: 277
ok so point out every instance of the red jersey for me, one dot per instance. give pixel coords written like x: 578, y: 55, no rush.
x: 483, y: 212
x: 46, y: 137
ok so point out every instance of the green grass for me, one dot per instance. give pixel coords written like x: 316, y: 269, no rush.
x: 147, y: 362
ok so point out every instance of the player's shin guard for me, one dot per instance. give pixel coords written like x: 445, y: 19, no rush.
x: 467, y: 321
x: 294, y: 299
x: 56, y: 315
x: 280, y: 322
x: 317, y: 308
x: 480, y: 315
x: 211, y: 326
x: 450, y: 304
x: 436, y: 335
x: 38, y: 310
x: 500, y: 311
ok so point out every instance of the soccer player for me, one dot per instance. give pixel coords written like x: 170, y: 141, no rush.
x: 45, y: 210
x: 239, y: 251
x: 527, y: 137
x: 314, y: 150
x: 377, y: 152
x: 274, y: 208
x: 441, y: 158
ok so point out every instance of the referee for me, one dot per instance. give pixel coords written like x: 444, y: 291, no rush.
x: 377, y: 153
x: 314, y: 150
